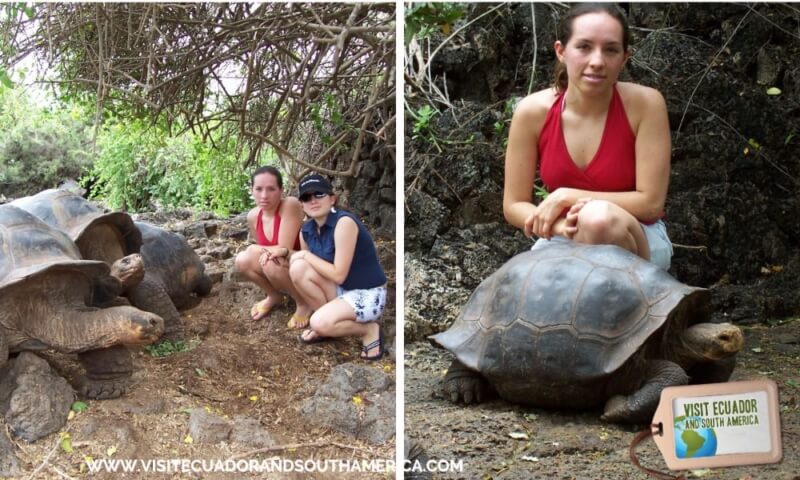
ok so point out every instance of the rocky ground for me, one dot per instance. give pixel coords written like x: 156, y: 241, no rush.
x: 241, y: 390
x: 499, y: 440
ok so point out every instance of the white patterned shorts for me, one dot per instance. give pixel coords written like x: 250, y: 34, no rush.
x: 367, y: 303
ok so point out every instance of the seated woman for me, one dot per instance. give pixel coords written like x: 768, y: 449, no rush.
x: 337, y: 273
x: 275, y: 224
x: 603, y: 146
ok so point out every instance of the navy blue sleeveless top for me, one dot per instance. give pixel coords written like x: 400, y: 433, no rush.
x: 365, y: 271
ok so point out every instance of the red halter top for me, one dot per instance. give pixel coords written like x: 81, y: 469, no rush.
x: 612, y: 169
x: 276, y: 228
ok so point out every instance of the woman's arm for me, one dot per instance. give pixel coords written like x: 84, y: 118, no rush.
x: 291, y: 221
x: 252, y: 216
x: 522, y: 157
x: 344, y: 236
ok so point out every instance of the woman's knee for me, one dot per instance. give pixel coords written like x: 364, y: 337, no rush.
x: 243, y: 261
x: 320, y: 323
x: 597, y: 223
x: 247, y: 259
x: 298, y: 270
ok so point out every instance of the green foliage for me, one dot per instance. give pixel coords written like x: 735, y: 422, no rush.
x: 422, y: 19
x: 327, y: 118
x: 39, y: 146
x: 424, y: 118
x: 540, y: 192
x: 167, y: 348
x: 140, y: 164
x: 79, y: 407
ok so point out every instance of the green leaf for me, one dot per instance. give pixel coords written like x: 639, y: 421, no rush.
x: 5, y: 80
x: 66, y: 442
x: 79, y: 407
x: 773, y: 91
x: 792, y: 383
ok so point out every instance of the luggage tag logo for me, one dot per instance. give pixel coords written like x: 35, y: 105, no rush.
x: 718, y: 425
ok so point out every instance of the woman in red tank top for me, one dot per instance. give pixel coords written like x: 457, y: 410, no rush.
x: 602, y: 146
x: 275, y: 225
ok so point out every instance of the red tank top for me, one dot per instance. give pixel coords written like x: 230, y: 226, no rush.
x: 276, y: 228
x: 612, y: 169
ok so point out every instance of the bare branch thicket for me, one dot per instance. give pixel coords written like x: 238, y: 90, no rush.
x: 256, y: 70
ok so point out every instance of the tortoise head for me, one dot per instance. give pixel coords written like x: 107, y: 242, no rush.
x: 712, y: 341
x: 139, y: 327
x: 129, y: 270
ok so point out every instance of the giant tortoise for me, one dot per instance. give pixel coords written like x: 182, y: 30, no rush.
x: 174, y: 274
x: 45, y: 292
x: 175, y: 270
x: 579, y: 326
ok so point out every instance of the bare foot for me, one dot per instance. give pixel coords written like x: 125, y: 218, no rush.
x: 300, y: 318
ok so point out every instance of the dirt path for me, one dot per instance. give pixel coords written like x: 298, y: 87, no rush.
x: 235, y: 368
x: 579, y: 445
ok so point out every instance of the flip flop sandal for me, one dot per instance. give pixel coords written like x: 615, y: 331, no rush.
x: 260, y: 312
x: 298, y: 321
x: 377, y: 343
x: 311, y: 341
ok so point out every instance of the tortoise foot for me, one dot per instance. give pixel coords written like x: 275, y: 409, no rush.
x: 104, y: 389
x: 173, y: 333
x: 616, y: 409
x: 462, y: 385
x: 108, y: 372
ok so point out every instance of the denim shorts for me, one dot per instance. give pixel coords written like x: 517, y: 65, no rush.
x: 657, y: 240
x: 367, y: 303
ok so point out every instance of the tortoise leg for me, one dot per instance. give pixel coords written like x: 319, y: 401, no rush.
x: 416, y: 460
x: 108, y: 372
x: 151, y: 296
x: 640, y: 406
x: 203, y: 287
x: 717, y: 371
x: 464, y: 385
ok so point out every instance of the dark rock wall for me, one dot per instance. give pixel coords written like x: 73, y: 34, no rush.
x: 371, y: 193
x: 733, y: 204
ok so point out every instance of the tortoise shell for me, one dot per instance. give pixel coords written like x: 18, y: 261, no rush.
x: 567, y: 313
x: 29, y: 247
x: 77, y: 217
x: 168, y: 256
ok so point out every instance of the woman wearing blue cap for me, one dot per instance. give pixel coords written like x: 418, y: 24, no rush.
x: 337, y: 272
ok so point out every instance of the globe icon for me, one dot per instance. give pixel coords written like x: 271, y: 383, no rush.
x: 692, y: 441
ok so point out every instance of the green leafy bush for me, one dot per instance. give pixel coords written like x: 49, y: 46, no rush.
x: 39, y: 146
x: 140, y: 165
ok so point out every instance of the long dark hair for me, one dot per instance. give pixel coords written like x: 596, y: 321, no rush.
x: 268, y: 169
x: 564, y: 33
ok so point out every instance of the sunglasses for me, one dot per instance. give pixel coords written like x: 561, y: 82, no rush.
x: 306, y: 197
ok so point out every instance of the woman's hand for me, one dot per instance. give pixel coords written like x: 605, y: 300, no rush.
x: 541, y: 221
x: 265, y: 256
x: 275, y: 254
x: 298, y: 255
x: 571, y: 224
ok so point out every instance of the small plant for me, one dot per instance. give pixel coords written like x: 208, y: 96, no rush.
x: 499, y: 127
x: 167, y: 347
x: 540, y: 192
x: 422, y: 19
x: 424, y: 116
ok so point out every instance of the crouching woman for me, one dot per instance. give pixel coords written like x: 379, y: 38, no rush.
x: 337, y: 272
